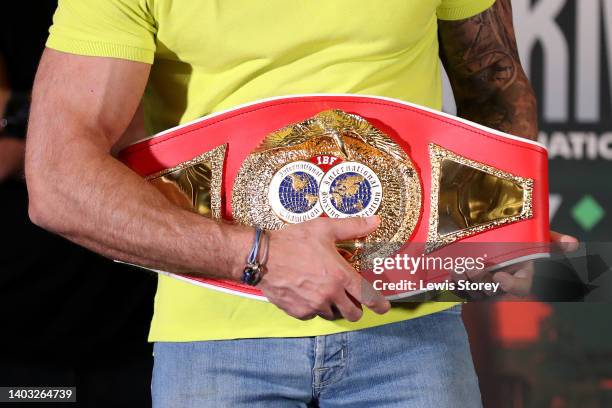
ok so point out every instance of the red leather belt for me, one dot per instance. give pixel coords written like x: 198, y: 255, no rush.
x: 437, y: 181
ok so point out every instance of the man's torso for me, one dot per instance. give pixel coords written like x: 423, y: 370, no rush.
x: 213, y: 55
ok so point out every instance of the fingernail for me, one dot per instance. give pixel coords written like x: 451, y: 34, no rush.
x: 569, y: 243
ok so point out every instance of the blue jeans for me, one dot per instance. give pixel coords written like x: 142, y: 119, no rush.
x: 421, y: 363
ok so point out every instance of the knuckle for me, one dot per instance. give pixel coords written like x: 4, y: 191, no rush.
x: 325, y: 312
x: 302, y: 314
x: 320, y: 302
x: 353, y: 315
x: 297, y: 311
x: 327, y: 316
x: 291, y: 312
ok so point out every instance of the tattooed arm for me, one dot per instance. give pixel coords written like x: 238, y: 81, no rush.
x: 491, y: 88
x: 482, y: 62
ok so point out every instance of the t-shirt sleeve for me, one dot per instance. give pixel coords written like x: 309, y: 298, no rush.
x: 461, y: 9
x: 104, y: 28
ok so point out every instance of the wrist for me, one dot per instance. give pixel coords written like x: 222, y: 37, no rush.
x: 240, y: 240
x: 255, y: 264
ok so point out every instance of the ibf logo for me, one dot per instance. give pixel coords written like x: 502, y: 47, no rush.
x: 325, y: 184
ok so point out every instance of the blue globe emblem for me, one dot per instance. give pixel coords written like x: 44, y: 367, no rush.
x: 298, y: 192
x: 350, y: 193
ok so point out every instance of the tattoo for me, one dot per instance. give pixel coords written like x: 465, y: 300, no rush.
x: 482, y: 62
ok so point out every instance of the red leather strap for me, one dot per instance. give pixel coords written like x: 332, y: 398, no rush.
x: 412, y: 127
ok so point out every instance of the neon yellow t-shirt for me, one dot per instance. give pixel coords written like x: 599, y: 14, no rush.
x: 212, y: 55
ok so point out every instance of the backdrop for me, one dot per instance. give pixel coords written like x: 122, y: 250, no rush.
x: 559, y: 354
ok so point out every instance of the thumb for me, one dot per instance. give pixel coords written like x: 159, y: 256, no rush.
x: 354, y: 227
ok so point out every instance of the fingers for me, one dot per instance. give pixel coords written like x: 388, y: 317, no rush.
x: 566, y: 242
x: 350, y: 310
x: 343, y: 307
x: 351, y: 292
x: 318, y: 281
x: 517, y: 283
x: 327, y: 313
x: 480, y: 276
x: 474, y: 275
x: 300, y: 313
x: 363, y: 292
x: 306, y: 313
x: 339, y: 296
x: 353, y: 227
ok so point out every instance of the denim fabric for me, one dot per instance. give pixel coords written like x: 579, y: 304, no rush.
x: 421, y: 363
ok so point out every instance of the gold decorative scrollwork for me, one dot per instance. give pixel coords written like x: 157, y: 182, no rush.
x: 194, y: 185
x: 468, y: 197
x: 351, y: 138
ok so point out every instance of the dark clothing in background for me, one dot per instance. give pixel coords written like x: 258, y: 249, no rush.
x: 68, y: 316
x: 23, y: 33
x: 60, y: 302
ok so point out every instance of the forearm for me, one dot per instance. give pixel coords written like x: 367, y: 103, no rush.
x: 84, y: 194
x: 488, y: 81
x: 78, y: 190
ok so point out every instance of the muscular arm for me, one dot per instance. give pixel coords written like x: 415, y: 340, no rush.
x: 81, y: 106
x: 490, y: 87
x: 482, y: 62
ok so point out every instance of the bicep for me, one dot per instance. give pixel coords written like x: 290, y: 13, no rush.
x: 81, y: 98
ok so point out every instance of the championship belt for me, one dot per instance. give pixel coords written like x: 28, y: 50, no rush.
x: 436, y: 181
